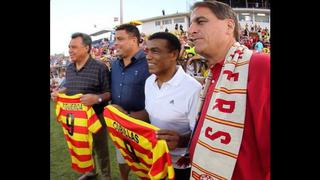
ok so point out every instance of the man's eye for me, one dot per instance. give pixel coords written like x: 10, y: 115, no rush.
x: 155, y: 52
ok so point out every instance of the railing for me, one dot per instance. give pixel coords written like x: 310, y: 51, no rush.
x: 259, y: 5
x: 265, y: 5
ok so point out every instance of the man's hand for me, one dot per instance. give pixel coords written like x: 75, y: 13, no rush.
x: 89, y: 99
x: 54, y: 94
x: 171, y: 137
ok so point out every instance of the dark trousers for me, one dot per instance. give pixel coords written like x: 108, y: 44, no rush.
x: 101, y: 151
x: 182, y: 174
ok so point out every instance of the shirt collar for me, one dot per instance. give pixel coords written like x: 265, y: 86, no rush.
x: 89, y: 61
x: 220, y: 63
x: 177, y: 78
x: 138, y: 56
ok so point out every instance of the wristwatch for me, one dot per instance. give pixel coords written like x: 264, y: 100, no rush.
x: 100, y: 99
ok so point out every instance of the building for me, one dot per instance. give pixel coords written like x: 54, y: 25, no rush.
x: 248, y: 12
x: 160, y: 23
x: 104, y: 33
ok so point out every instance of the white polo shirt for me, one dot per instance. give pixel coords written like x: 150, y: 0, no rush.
x: 173, y: 106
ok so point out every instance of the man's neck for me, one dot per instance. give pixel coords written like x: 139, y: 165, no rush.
x: 82, y: 62
x: 166, y: 76
x: 127, y: 60
x: 221, y: 54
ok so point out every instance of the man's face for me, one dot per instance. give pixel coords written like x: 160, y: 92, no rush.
x: 124, y: 43
x: 207, y: 31
x: 159, y: 57
x: 77, y: 50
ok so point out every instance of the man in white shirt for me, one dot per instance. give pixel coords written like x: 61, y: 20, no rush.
x: 171, y: 98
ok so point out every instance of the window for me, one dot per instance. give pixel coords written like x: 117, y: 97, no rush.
x: 178, y: 20
x: 158, y: 23
x: 261, y: 17
x: 167, y: 21
x: 245, y: 17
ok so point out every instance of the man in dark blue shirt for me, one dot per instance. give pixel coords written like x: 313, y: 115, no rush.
x: 127, y: 82
x: 128, y: 75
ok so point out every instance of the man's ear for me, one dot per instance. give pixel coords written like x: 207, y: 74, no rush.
x: 230, y: 26
x: 136, y: 41
x: 175, y: 54
x: 87, y: 48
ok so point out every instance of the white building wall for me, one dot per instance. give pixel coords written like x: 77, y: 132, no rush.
x: 150, y: 27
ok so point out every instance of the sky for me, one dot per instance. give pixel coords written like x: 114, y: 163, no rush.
x: 88, y: 16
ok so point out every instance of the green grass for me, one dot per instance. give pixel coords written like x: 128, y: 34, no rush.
x: 60, y: 160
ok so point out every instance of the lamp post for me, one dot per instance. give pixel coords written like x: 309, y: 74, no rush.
x: 121, y: 12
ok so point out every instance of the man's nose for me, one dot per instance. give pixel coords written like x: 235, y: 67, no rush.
x: 148, y: 56
x: 191, y: 29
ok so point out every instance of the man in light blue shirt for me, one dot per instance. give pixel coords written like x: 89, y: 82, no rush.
x: 259, y: 46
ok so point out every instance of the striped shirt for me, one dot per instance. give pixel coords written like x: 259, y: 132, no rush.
x: 78, y: 123
x: 147, y: 156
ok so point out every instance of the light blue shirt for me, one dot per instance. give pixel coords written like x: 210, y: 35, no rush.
x: 258, y: 46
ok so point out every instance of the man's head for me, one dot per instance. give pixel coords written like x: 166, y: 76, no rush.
x: 162, y: 52
x: 79, y: 46
x: 127, y: 40
x: 213, y: 24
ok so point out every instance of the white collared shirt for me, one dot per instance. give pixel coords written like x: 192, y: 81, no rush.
x: 173, y: 106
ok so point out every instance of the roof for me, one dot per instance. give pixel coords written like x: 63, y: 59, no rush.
x: 188, y: 14
x: 100, y: 32
x: 166, y: 16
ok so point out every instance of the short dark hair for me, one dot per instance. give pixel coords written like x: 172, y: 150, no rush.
x: 221, y: 11
x: 86, y: 39
x: 130, y: 29
x: 173, y: 43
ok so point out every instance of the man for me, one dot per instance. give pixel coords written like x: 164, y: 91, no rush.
x: 128, y: 75
x: 232, y: 136
x: 258, y: 46
x: 171, y: 98
x: 90, y: 78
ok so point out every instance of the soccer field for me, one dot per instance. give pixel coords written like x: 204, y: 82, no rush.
x: 60, y: 161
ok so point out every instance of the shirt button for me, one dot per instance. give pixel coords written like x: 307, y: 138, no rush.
x: 120, y: 84
x: 122, y: 73
x: 212, y: 81
x: 118, y: 96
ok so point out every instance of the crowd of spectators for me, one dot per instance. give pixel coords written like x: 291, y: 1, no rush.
x: 254, y: 37
x: 58, y: 64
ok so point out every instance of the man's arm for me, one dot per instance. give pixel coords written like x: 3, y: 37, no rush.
x: 141, y: 115
x: 91, y: 99
x: 104, y: 78
x: 259, y: 103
